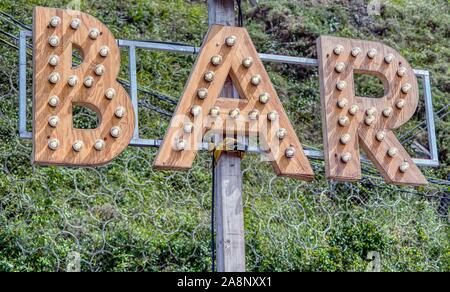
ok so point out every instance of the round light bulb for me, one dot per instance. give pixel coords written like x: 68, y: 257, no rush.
x: 343, y: 121
x: 247, y: 62
x: 406, y: 88
x: 53, y: 41
x: 346, y: 157
x: 380, y: 135
x: 188, y: 127
x: 115, y: 132
x: 209, y: 76
x: 372, y: 53
x: 202, y: 93
x: 369, y: 120
x: 72, y: 81
x: 341, y: 103
x: 75, y: 23
x: 353, y: 110
x: 216, y: 60
x: 94, y: 33
x: 181, y: 144
x: 53, y: 60
x: 340, y: 67
x: 272, y: 116
x: 264, y: 97
x: 289, y: 152
x: 104, y: 51
x: 55, y: 21
x: 341, y: 85
x: 234, y: 113
x: 281, y: 133
x: 401, y: 71
x: 253, y: 115
x: 404, y: 167
x: 88, y: 81
x: 53, y: 78
x: 387, y: 112
x: 99, y: 70
x: 99, y: 145
x: 110, y: 93
x: 256, y: 80
x: 53, y: 101
x: 214, y: 112
x: 392, y: 151
x: 389, y: 58
x: 400, y: 103
x: 230, y: 41
x: 77, y: 146
x: 53, y: 121
x: 119, y: 112
x: 53, y: 144
x: 338, y: 49
x: 196, y: 110
x: 371, y: 111
x: 355, y: 51
x: 345, y: 139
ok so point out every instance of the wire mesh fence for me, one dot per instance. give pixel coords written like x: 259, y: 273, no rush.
x: 127, y: 216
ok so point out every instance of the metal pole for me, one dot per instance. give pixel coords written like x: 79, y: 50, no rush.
x: 230, y: 243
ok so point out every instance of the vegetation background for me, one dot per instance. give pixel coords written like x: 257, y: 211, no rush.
x: 127, y: 217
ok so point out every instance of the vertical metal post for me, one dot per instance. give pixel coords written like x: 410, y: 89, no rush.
x: 230, y: 243
x: 133, y: 87
x: 22, y: 83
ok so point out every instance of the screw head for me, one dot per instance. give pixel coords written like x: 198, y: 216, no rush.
x: 99, y: 70
x: 53, y: 78
x: 343, y: 121
x: 256, y: 80
x: 53, y: 121
x: 119, y: 112
x: 196, y: 110
x: 346, y: 157
x: 387, y: 112
x: 353, y: 110
x: 247, y: 62
x: 88, y: 81
x: 281, y: 133
x: 338, y: 49
x: 99, y: 145
x: 341, y: 85
x: 380, y: 135
x: 202, y: 93
x: 371, y: 111
x: 272, y: 116
x: 389, y: 58
x: 110, y: 93
x: 340, y: 67
x: 75, y: 23
x: 230, y: 41
x: 404, y: 167
x: 115, y: 131
x: 53, y: 101
x: 180, y: 144
x: 55, y: 21
x: 104, y: 51
x: 216, y: 60
x: 345, y: 139
x: 53, y: 144
x: 77, y: 145
x: 72, y: 81
x: 94, y: 33
x: 53, y: 60
x: 214, y: 112
x: 264, y: 97
x: 53, y: 41
x: 355, y: 51
x: 253, y: 115
x: 400, y: 103
x: 209, y: 76
x: 369, y: 120
x: 392, y: 151
x: 289, y: 152
x: 372, y: 53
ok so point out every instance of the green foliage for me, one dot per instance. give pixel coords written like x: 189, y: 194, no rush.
x: 127, y: 217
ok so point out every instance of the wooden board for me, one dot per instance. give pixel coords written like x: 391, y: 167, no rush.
x: 357, y: 129
x: 232, y: 57
x: 92, y: 97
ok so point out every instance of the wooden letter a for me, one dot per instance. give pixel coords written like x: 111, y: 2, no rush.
x: 229, y: 51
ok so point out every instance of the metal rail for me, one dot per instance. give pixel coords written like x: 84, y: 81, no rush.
x: 132, y: 45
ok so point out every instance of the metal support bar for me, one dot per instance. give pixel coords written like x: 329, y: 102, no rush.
x: 433, y: 161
